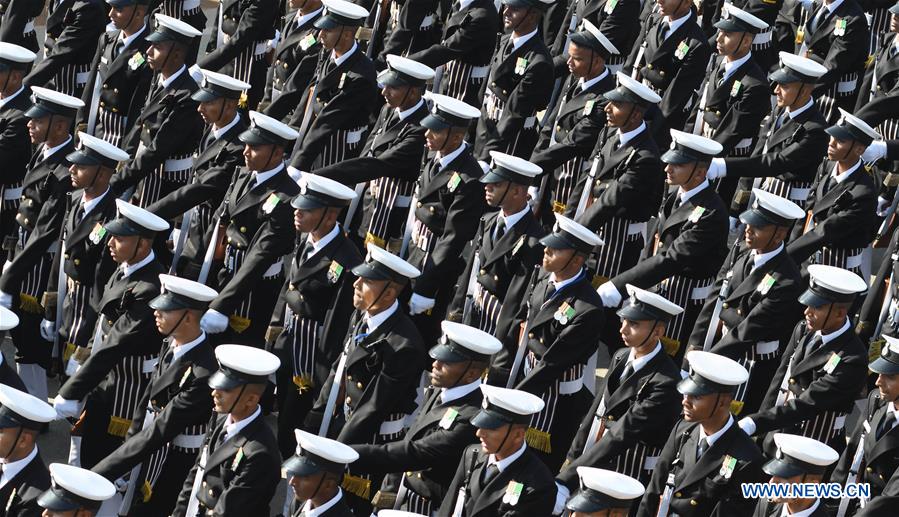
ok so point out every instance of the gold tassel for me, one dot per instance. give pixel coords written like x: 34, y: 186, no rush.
x: 538, y: 439
x: 30, y: 304
x: 238, y: 323
x: 303, y: 382
x: 243, y: 102
x: 374, y: 239
x: 559, y: 207
x: 68, y: 351
x: 671, y: 345
x: 357, y: 485
x: 118, y: 426
x: 598, y: 280
x: 147, y: 491
x: 874, y: 349
x: 736, y: 406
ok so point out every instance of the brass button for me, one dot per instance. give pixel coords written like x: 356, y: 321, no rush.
x: 301, y: 297
x: 291, y: 287
x: 418, y: 205
x: 662, y: 73
x: 77, y: 262
x: 211, y: 493
x: 115, y: 90
x: 530, y: 335
x: 27, y: 222
x: 105, y: 85
x: 678, y: 494
x: 102, y: 104
x: 718, y: 113
x: 349, y: 377
x: 229, y: 240
x: 610, y: 418
x: 649, y: 66
x: 792, y: 381
x: 483, y: 271
x: 66, y: 255
x: 349, y: 400
x: 496, y: 278
x: 243, y: 229
x: 541, y: 341
x: 431, y: 209
x: 285, y: 66
x: 869, y: 469
x: 725, y: 305
x: 115, y: 110
x: 409, y: 473
x: 694, y: 502
x: 359, y: 385
x: 109, y: 322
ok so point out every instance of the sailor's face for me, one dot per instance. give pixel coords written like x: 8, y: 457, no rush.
x: 366, y: 292
x: 727, y: 43
x: 211, y: 111
x: 555, y: 260
x: 677, y: 174
x: 329, y: 37
x: 304, y: 221
x: 304, y: 487
x: 82, y: 175
x: 698, y: 407
x: 839, y: 149
x: 492, y: 439
x: 395, y: 96
x: 494, y: 192
x: 777, y: 480
x: 617, y: 113
x: 53, y: 513
x: 818, y: 318
x: 888, y: 386
x: 894, y: 23
x: 224, y: 400
x: 435, y: 139
x: 447, y: 375
x: 37, y: 129
x: 786, y: 93
x: 167, y: 321
x: 580, y: 60
x: 8, y: 438
x: 636, y: 333
x: 122, y: 16
x: 157, y: 54
x: 513, y: 16
x: 669, y: 7
x: 122, y: 249
x: 759, y: 237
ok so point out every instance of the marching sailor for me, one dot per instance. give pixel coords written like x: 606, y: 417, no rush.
x: 314, y: 475
x: 74, y: 491
x: 798, y: 460
x: 22, y: 417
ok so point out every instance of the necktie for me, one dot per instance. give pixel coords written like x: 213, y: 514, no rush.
x: 678, y: 201
x: 500, y: 229
x: 628, y: 371
x: 490, y: 472
x: 79, y: 213
x: 818, y: 19
x: 893, y: 50
x: 663, y: 31
x: 509, y: 47
x: 701, y: 448
x: 749, y: 265
x: 886, y: 424
x: 720, y: 75
x: 167, y: 360
x: 209, y: 140
x: 119, y: 46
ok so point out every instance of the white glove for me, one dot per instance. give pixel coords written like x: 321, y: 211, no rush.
x: 295, y: 174
x: 875, y: 151
x: 196, y: 73
x: 419, y: 304
x: 562, y: 494
x: 684, y: 374
x: 882, y: 205
x: 717, y: 169
x: 214, y: 322
x: 66, y: 408
x: 734, y: 222
x: 747, y: 425
x: 609, y: 294
x: 533, y: 194
x: 72, y: 366
x: 48, y: 330
x: 6, y: 300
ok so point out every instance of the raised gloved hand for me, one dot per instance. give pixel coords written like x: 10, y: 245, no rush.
x: 419, y: 304
x: 609, y: 294
x: 6, y: 300
x: 48, y: 330
x: 66, y: 408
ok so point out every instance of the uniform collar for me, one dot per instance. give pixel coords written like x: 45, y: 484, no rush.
x: 128, y: 269
x: 560, y: 284
x: 179, y: 350
x: 504, y: 463
x: 90, y: 205
x: 827, y: 338
x: 457, y: 392
x: 445, y: 160
x: 127, y: 40
x: 339, y: 60
x: 11, y: 470
x: 794, y: 114
x: 232, y: 427
x: 711, y: 439
x: 373, y: 322
x: 324, y: 241
x: 759, y: 259
x: 730, y: 66
x: 521, y: 40
x: 808, y: 512
x: 49, y: 152
x: 218, y: 132
x: 842, y: 177
x: 624, y: 138
x: 302, y: 19
x: 309, y: 511
x: 168, y: 81
x: 686, y: 195
x: 405, y: 113
x: 5, y: 100
x: 586, y: 84
x: 638, y: 363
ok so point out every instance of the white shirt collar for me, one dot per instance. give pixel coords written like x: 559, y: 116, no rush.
x: 445, y: 160
x: 49, y: 152
x: 128, y: 269
x: 324, y: 241
x: 463, y: 4
x: 585, y: 85
x: 166, y: 82
x: 128, y: 39
x: 759, y: 259
x: 306, y: 17
x: 179, y: 350
x: 521, y: 40
x: 841, y: 177
x: 717, y: 434
x: 730, y: 66
x: 309, y: 511
x: 262, y: 177
x: 339, y: 60
x: 563, y: 283
x: 405, y: 113
x: 4, y: 100
x: 785, y: 512
x: 833, y: 6
x: 624, y: 138
x: 10, y: 470
x: 686, y: 195
x: 218, y: 132
x: 673, y: 25
x: 639, y: 362
x: 232, y: 427
x: 373, y: 322
x: 505, y: 462
x: 512, y: 220
x: 827, y: 338
x: 89, y: 205
x: 892, y: 407
x: 457, y: 392
x: 794, y: 114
